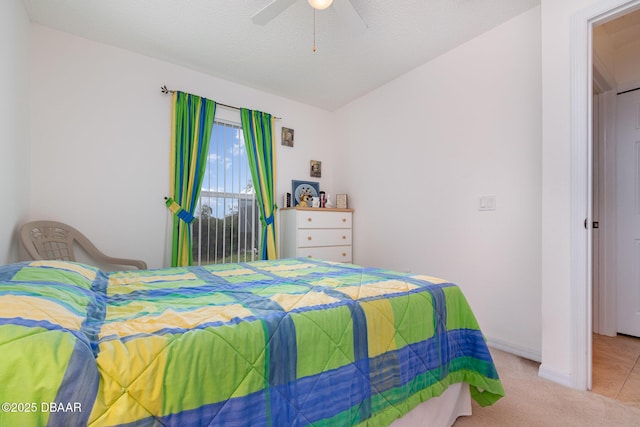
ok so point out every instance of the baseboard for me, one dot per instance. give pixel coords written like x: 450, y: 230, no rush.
x: 518, y: 350
x: 561, y: 378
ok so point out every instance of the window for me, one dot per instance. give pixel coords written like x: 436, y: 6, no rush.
x: 226, y: 228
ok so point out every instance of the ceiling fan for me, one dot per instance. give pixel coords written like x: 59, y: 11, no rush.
x: 343, y: 8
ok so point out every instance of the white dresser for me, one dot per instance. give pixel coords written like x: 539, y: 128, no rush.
x: 316, y: 233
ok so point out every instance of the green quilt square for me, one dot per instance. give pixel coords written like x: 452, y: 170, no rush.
x: 331, y: 331
x: 413, y: 318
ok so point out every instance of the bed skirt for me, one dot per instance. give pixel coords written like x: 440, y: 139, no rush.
x: 440, y: 411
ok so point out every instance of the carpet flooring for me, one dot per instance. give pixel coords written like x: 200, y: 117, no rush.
x: 532, y: 401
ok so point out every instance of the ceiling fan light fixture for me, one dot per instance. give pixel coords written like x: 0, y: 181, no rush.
x: 320, y: 4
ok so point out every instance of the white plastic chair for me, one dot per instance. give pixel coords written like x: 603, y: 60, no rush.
x: 52, y: 240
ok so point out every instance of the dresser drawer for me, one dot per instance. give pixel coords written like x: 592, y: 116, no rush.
x: 328, y: 253
x: 323, y: 219
x: 311, y: 237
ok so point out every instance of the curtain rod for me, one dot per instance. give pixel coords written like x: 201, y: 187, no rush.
x: 166, y: 91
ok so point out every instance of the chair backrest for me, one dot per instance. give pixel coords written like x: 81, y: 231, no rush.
x: 49, y: 240
x: 52, y: 240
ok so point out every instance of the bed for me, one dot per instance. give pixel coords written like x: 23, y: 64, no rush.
x: 290, y: 342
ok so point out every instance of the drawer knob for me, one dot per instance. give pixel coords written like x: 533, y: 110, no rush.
x: 344, y: 237
x: 344, y: 219
x: 309, y: 219
x: 309, y: 238
x: 344, y: 254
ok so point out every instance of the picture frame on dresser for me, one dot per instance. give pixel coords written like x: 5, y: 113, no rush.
x: 341, y: 201
x: 301, y: 188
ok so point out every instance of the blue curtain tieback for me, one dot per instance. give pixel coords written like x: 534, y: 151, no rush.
x: 271, y: 218
x: 178, y: 210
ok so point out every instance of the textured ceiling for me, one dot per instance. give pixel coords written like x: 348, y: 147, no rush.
x: 218, y: 37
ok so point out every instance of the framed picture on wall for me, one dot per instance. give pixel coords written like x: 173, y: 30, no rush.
x: 316, y: 169
x: 287, y: 136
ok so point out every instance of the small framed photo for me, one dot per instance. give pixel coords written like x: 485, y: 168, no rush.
x: 316, y: 169
x: 341, y: 201
x: 287, y: 136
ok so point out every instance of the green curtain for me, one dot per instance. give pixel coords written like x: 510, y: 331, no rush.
x: 258, y: 136
x: 191, y: 126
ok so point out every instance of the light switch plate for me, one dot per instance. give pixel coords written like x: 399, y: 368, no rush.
x: 487, y: 203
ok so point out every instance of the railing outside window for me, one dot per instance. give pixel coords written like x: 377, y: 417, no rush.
x: 226, y: 228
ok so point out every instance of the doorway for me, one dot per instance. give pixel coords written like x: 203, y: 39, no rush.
x: 615, y: 361
x: 615, y: 368
x: 581, y: 121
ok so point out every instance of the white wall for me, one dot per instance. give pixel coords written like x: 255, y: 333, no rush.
x: 14, y: 124
x: 424, y: 147
x: 100, y: 139
x: 559, y: 337
x: 556, y: 308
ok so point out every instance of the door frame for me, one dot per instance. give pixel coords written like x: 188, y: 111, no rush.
x: 581, y: 175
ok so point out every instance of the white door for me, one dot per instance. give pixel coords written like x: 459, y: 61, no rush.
x: 628, y: 208
x: 595, y: 213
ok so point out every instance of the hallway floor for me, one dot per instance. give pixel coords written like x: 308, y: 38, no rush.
x: 616, y: 368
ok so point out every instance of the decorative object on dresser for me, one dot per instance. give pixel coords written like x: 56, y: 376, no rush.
x: 341, y: 201
x: 286, y: 200
x: 328, y: 203
x: 305, y: 199
x: 300, y: 189
x: 317, y: 233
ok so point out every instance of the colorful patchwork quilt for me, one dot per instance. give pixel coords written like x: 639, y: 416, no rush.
x: 290, y: 342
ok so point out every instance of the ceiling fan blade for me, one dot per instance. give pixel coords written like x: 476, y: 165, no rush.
x: 349, y: 15
x: 270, y: 11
